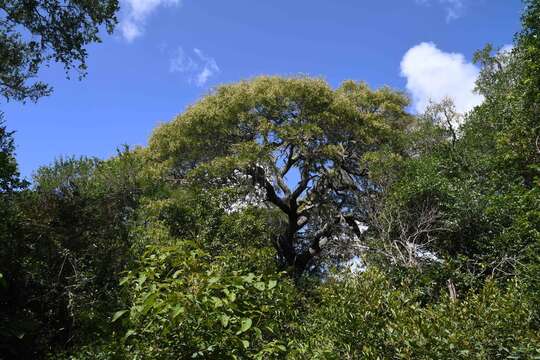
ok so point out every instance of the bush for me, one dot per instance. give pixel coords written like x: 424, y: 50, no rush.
x: 183, y: 304
x: 365, y: 317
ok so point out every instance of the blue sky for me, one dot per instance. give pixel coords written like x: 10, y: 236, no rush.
x: 166, y: 54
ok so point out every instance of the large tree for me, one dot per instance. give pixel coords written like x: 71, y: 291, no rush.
x: 295, y: 144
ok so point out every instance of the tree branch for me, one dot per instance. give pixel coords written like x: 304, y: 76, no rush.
x: 304, y: 181
x: 291, y: 160
x: 258, y: 175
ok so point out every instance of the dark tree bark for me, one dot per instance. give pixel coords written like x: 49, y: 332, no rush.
x: 292, y: 254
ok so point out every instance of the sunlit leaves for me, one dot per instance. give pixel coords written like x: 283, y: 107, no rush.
x: 204, y: 310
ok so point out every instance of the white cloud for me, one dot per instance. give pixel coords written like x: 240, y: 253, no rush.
x: 433, y: 74
x: 198, y: 68
x: 129, y: 30
x: 454, y: 8
x: 134, y: 14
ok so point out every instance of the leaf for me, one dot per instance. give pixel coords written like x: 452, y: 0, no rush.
x: 244, y: 325
x: 245, y: 343
x: 118, y: 314
x: 224, y: 320
x: 259, y: 285
x: 177, y: 310
x: 272, y: 284
x: 141, y: 279
x: 129, y: 333
x: 248, y: 278
x: 217, y: 302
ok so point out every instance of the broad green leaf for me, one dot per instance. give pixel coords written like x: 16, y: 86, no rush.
x: 258, y: 332
x: 272, y: 284
x: 248, y: 278
x: 129, y: 333
x: 118, y: 314
x: 259, y: 285
x: 244, y: 325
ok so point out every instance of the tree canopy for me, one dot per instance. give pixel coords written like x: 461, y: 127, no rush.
x: 294, y: 144
x: 33, y: 33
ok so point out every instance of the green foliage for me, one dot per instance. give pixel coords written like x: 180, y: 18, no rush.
x: 185, y: 303
x: 365, y: 317
x: 292, y: 144
x: 64, y: 255
x: 60, y: 33
x: 483, y: 185
x: 170, y: 252
x: 9, y: 175
x: 10, y: 183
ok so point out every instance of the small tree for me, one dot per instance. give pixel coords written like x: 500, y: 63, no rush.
x: 295, y: 144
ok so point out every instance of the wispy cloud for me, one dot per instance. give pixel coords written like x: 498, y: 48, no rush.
x: 198, y: 68
x: 433, y: 74
x: 454, y: 9
x: 134, y: 14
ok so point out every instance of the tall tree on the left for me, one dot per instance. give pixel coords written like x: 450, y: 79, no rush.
x: 34, y: 33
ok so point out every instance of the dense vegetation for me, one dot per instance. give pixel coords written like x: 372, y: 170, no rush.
x: 233, y: 234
